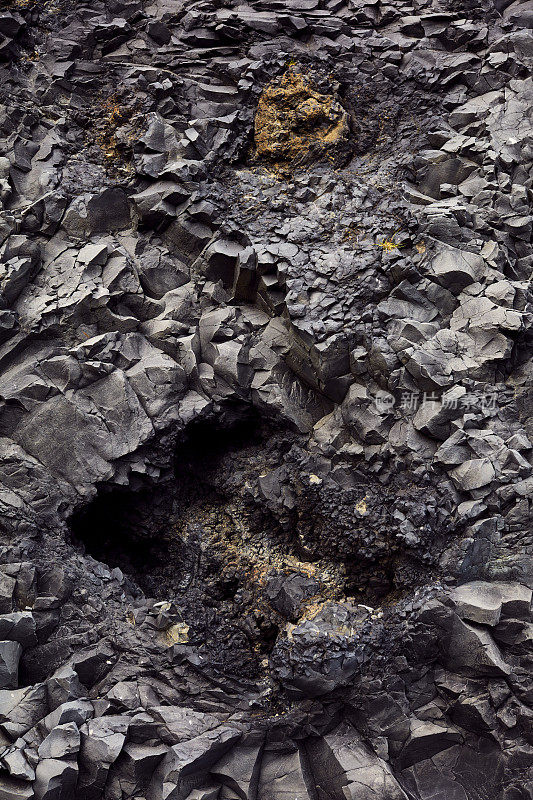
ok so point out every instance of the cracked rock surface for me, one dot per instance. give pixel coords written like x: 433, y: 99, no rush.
x: 266, y: 391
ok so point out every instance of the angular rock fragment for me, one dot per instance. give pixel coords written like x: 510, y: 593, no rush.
x: 473, y: 474
x: 185, y: 766
x: 478, y: 602
x: 342, y: 765
x: 472, y: 649
x: 281, y: 775
x: 62, y: 741
x: 456, y: 269
x: 10, y: 653
x: 101, y: 741
x: 55, y: 778
x: 19, y: 627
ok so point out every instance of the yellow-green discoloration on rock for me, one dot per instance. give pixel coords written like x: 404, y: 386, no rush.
x: 295, y: 124
x: 177, y: 634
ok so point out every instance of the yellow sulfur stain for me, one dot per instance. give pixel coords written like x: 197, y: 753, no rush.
x: 361, y: 506
x: 177, y: 633
x: 296, y: 124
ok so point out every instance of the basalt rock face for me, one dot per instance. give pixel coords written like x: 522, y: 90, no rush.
x: 265, y: 400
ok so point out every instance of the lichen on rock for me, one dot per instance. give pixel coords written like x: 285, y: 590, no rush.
x: 296, y: 124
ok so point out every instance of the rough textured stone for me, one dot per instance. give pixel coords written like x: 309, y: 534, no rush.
x: 9, y: 661
x: 478, y: 602
x: 295, y: 123
x: 265, y: 400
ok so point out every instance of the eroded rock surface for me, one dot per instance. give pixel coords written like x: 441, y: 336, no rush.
x: 265, y: 400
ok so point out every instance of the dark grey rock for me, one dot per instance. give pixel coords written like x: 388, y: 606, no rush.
x: 516, y: 599
x: 7, y: 588
x: 61, y: 742
x: 287, y: 593
x: 13, y: 789
x: 73, y: 711
x: 341, y: 762
x: 16, y: 763
x: 101, y: 742
x: 185, y: 766
x: 456, y: 269
x: 19, y: 627
x: 55, y: 779
x: 10, y: 653
x: 21, y: 709
x: 239, y: 770
x: 478, y: 602
x: 471, y: 649
x: 220, y: 376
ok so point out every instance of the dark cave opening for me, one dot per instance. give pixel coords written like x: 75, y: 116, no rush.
x: 197, y: 539
x: 191, y: 540
x: 206, y: 442
x: 108, y: 528
x: 135, y: 529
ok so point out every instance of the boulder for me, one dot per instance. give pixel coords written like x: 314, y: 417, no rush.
x: 455, y: 269
x: 134, y: 767
x: 426, y: 739
x: 474, y: 473
x: 62, y: 741
x: 186, y: 764
x: 287, y: 593
x: 282, y: 776
x: 55, y: 779
x: 478, y: 601
x: 472, y: 650
x: 21, y: 709
x: 239, y: 770
x: 7, y: 589
x: 101, y: 742
x: 516, y: 599
x: 19, y: 627
x: 16, y: 762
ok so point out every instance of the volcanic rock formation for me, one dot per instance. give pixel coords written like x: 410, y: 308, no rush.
x: 265, y: 400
